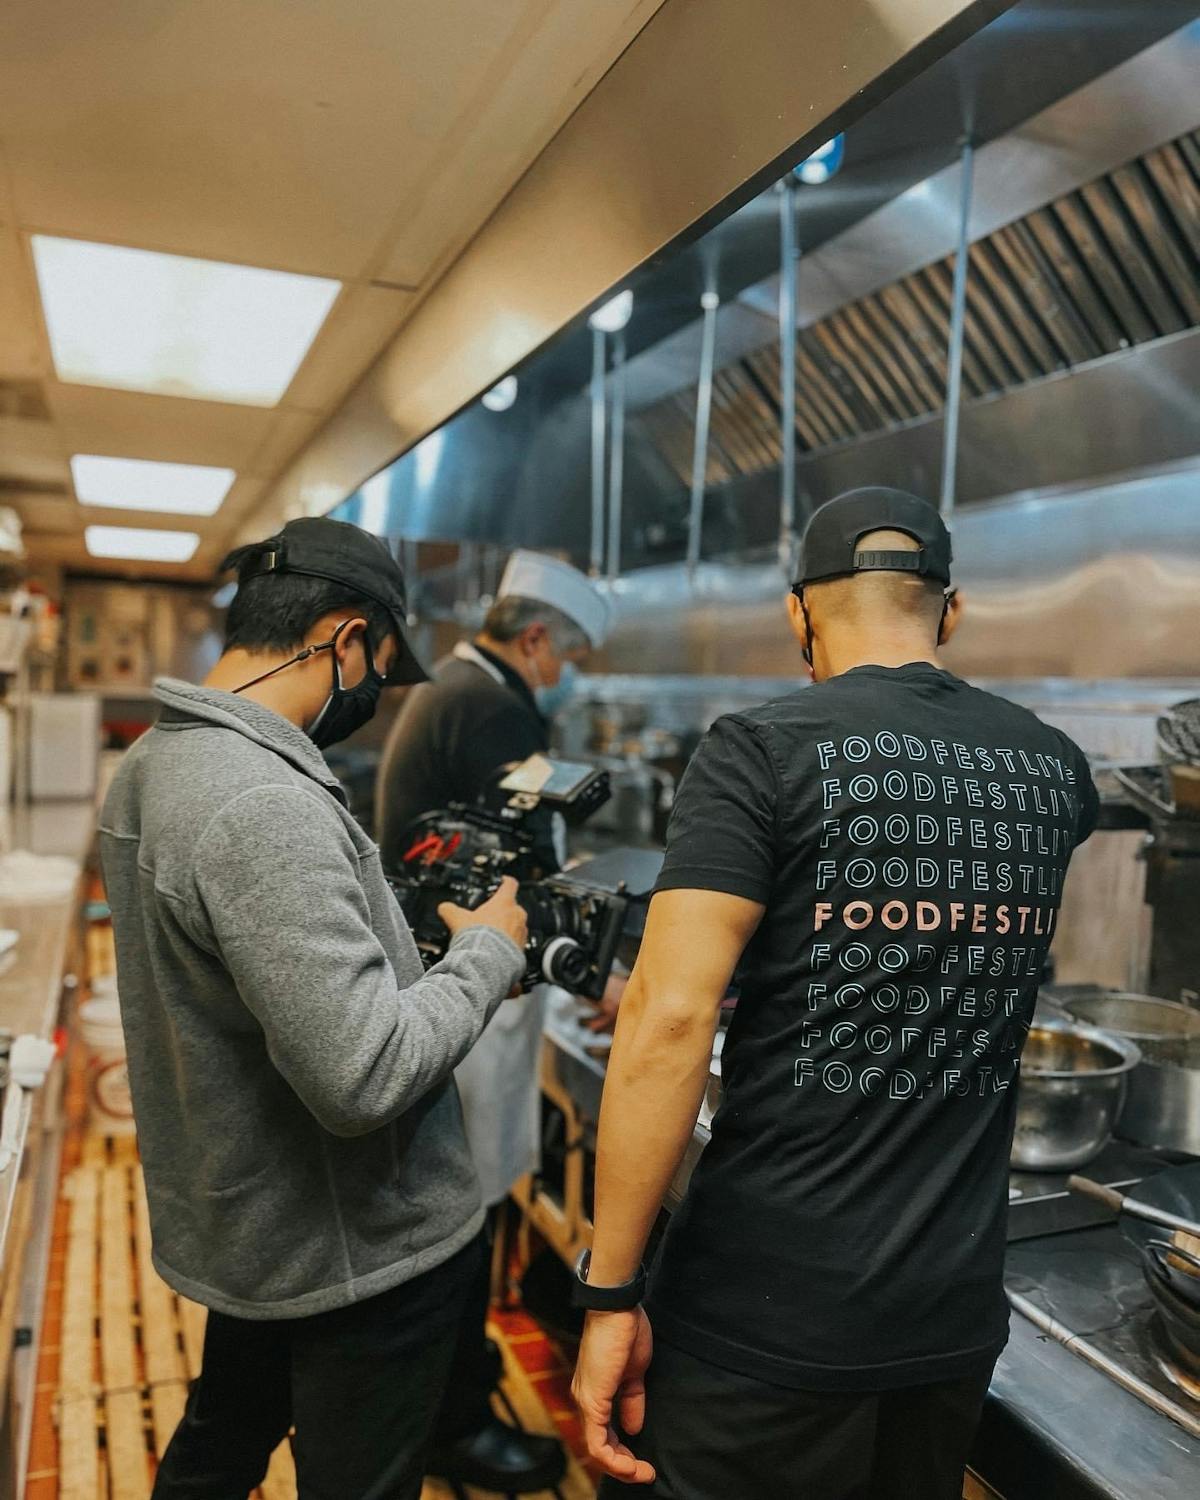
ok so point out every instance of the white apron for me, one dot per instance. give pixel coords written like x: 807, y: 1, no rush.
x: 498, y: 1082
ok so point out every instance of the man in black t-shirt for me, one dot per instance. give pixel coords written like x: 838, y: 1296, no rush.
x: 881, y: 858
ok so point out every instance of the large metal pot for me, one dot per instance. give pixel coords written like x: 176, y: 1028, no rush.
x: 1072, y: 1086
x: 1162, y: 1104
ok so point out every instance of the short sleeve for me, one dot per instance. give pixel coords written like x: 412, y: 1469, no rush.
x: 1089, y: 798
x: 721, y: 836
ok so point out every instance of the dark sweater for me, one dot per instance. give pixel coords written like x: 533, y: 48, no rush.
x: 449, y: 740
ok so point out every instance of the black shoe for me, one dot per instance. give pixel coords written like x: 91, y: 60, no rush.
x: 502, y: 1459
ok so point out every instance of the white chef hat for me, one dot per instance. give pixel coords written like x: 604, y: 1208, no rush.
x: 532, y: 575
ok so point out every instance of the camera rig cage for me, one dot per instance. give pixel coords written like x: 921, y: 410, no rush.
x: 461, y: 853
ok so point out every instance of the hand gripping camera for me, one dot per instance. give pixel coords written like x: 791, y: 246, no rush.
x: 460, y: 854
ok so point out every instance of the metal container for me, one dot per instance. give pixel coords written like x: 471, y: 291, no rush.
x: 1162, y: 1104
x: 1049, y: 1008
x: 1072, y: 1085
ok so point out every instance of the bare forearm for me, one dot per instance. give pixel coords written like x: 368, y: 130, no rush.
x: 656, y: 1077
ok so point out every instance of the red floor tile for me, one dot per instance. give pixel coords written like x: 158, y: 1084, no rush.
x: 539, y: 1357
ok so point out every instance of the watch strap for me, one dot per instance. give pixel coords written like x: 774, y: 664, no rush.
x: 623, y: 1298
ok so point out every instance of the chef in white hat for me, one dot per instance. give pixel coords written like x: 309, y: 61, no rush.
x: 489, y: 706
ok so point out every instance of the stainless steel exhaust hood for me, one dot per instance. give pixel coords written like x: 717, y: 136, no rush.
x: 1086, y: 262
x: 712, y: 100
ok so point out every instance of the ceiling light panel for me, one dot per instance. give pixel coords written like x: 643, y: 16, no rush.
x: 135, y: 544
x: 175, y: 326
x: 141, y: 484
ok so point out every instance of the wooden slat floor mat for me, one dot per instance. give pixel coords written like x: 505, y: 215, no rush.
x: 129, y: 1345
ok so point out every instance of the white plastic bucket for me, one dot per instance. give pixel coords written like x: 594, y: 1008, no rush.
x: 110, y: 1108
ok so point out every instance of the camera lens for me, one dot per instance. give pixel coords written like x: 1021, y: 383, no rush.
x: 565, y: 963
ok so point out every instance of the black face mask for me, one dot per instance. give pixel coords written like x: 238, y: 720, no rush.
x: 346, y: 709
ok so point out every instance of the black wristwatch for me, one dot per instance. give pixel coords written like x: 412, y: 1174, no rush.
x: 623, y: 1298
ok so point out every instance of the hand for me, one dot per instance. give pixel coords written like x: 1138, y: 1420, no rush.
x: 500, y: 912
x: 613, y: 1359
x: 604, y: 1016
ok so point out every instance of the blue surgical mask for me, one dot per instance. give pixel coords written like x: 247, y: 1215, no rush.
x: 555, y: 697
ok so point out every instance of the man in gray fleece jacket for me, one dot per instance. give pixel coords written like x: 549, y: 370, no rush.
x: 290, y: 1060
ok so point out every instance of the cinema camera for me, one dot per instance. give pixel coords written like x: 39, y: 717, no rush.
x: 461, y: 853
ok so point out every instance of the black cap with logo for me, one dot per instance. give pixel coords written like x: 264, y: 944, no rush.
x: 829, y: 548
x: 319, y: 547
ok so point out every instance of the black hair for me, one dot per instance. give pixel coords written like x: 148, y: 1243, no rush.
x: 275, y: 611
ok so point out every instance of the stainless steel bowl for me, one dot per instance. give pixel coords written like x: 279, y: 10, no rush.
x: 1073, y: 1080
x: 1162, y: 1105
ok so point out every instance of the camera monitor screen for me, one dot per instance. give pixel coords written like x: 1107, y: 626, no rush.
x: 544, y: 777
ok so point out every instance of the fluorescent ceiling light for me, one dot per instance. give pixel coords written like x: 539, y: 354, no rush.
x: 138, y: 545
x: 175, y: 326
x: 614, y: 314
x: 502, y: 394
x: 141, y: 484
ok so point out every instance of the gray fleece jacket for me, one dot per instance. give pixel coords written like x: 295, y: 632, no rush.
x: 289, y: 1059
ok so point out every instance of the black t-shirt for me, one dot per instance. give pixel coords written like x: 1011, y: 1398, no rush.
x: 908, y: 835
x: 450, y: 738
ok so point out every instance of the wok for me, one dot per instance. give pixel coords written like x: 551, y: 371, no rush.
x: 1177, y: 1191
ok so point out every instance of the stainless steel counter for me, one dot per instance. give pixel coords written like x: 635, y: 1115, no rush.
x: 31, y: 989
x: 31, y: 986
x: 1053, y: 1425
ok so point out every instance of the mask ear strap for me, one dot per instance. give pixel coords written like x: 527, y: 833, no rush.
x: 311, y: 651
x: 293, y: 661
x: 947, y: 598
x: 805, y: 651
x: 333, y: 640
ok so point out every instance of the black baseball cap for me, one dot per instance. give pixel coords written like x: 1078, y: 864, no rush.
x: 319, y: 547
x: 829, y: 547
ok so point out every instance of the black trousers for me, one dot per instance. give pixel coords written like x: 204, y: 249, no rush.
x: 474, y: 1373
x: 361, y: 1385
x: 715, y: 1435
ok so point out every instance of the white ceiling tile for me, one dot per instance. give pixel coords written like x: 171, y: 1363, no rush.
x: 127, y: 424
x: 33, y: 451
x: 43, y: 513
x: 362, y: 323
x: 551, y: 63
x: 282, y: 440
x: 239, y: 503
x: 22, y: 348
x: 275, y: 134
